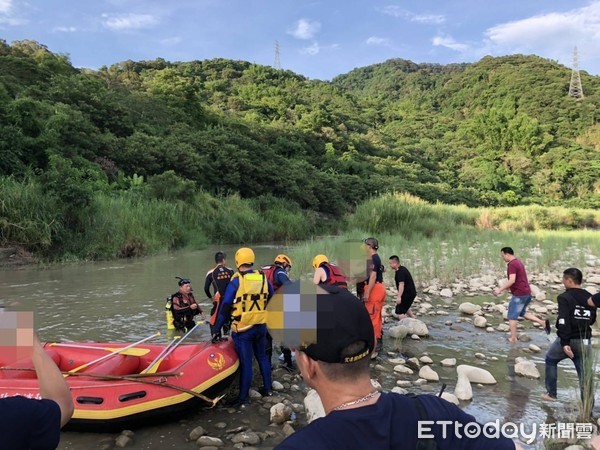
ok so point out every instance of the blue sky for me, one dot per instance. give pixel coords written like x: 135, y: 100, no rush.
x: 318, y: 39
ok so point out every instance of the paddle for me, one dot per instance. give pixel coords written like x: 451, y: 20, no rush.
x: 129, y: 352
x: 110, y: 355
x: 154, y: 364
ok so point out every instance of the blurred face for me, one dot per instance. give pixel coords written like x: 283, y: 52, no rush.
x: 394, y: 264
x: 185, y: 288
x: 505, y: 256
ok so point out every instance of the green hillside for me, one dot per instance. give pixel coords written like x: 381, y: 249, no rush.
x: 499, y: 132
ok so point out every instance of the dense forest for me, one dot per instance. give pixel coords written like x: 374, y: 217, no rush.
x: 498, y: 132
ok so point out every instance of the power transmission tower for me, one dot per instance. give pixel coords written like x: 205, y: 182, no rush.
x: 277, y: 64
x: 575, y: 89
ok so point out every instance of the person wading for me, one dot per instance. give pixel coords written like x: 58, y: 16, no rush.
x: 218, y: 277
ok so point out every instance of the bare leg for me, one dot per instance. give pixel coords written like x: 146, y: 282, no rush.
x: 411, y: 314
x: 534, y: 318
x: 513, y: 331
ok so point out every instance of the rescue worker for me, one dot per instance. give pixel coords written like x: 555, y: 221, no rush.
x: 277, y: 274
x: 218, y: 277
x: 327, y: 273
x: 245, y: 301
x: 184, y: 306
x: 374, y: 293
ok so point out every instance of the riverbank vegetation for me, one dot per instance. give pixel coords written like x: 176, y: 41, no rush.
x: 142, y: 157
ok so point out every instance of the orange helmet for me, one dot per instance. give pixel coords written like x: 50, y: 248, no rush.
x: 283, y: 259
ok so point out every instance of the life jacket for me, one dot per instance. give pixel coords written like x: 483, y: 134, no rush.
x: 269, y: 272
x: 250, y: 303
x: 179, y: 305
x: 335, y: 276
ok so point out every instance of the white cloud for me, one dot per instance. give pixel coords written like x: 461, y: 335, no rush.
x: 5, y: 6
x: 449, y: 42
x: 305, y: 29
x: 315, y: 48
x: 128, y: 21
x: 396, y: 11
x: 551, y: 35
x: 64, y: 29
x: 374, y: 40
x: 311, y: 50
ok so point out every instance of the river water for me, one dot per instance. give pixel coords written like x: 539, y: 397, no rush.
x: 124, y: 301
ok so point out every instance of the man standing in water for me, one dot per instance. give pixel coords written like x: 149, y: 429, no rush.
x: 407, y: 292
x: 521, y: 294
x: 374, y: 291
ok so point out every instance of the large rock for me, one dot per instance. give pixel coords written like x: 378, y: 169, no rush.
x: 398, y: 332
x: 246, y: 437
x: 446, y: 293
x: 466, y: 376
x: 196, y: 433
x: 468, y: 308
x: 526, y: 368
x: 480, y: 322
x: 429, y: 374
x: 448, y: 362
x: 280, y: 413
x: 208, y: 441
x: 403, y: 369
x: 414, y: 326
x: 476, y: 374
x: 313, y: 406
x: 450, y: 397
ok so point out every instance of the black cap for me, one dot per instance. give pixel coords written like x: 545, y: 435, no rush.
x: 596, y: 299
x: 342, y: 320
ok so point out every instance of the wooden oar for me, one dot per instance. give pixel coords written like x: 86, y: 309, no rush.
x: 110, y: 355
x: 121, y: 351
x: 154, y: 365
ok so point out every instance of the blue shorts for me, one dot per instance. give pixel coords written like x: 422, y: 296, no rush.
x: 518, y: 306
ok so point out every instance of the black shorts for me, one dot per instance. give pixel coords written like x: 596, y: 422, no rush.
x: 403, y: 307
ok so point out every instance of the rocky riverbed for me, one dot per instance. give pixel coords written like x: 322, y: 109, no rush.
x: 458, y: 339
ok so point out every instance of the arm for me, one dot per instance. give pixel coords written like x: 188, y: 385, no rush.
x: 563, y: 324
x: 400, y: 291
x: 207, y: 283
x: 506, y: 286
x: 52, y: 384
x: 226, y: 302
x: 319, y: 276
x: 282, y: 277
x: 372, y: 279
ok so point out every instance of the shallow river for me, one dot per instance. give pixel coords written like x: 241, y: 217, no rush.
x: 124, y: 301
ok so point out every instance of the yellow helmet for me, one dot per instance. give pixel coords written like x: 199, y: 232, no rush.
x: 243, y: 256
x: 318, y: 260
x: 283, y: 259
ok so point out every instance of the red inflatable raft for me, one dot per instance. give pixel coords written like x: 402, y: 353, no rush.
x: 115, y: 393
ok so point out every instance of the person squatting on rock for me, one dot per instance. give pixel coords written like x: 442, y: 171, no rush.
x: 407, y: 292
x: 278, y: 275
x: 357, y: 415
x: 518, y: 284
x: 576, y: 315
x: 218, y: 277
x: 245, y: 301
x: 184, y: 306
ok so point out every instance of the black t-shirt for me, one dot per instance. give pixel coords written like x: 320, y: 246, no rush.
x: 374, y: 264
x: 391, y: 423
x: 575, y: 316
x: 403, y: 276
x: 29, y: 424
